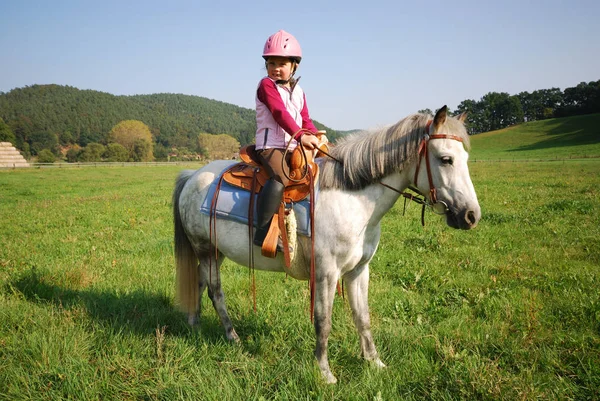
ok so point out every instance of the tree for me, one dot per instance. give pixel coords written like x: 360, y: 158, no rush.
x: 220, y: 146
x: 129, y: 133
x: 581, y: 99
x: 44, y: 140
x: 528, y: 103
x: 46, y: 156
x: 22, y: 127
x: 540, y: 104
x: 6, y: 134
x: 116, y: 153
x: 86, y: 137
x: 501, y: 110
x: 475, y: 117
x: 551, y: 99
x: 66, y: 138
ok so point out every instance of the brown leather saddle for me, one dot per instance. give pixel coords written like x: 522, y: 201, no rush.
x: 251, y: 176
x: 242, y: 174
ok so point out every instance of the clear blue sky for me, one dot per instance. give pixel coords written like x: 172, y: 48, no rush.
x: 366, y: 63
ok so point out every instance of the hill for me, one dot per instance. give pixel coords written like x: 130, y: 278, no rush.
x: 349, y: 132
x: 569, y: 137
x: 82, y: 116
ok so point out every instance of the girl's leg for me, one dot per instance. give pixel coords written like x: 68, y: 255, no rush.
x: 271, y: 195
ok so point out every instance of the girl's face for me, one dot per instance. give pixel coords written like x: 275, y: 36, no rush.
x: 279, y: 68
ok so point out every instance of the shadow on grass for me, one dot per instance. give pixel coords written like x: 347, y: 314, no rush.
x: 574, y: 131
x: 139, y: 312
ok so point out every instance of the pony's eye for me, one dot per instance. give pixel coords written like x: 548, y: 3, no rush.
x: 447, y: 160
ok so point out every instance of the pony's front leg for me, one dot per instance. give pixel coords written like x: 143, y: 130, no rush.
x: 324, y: 294
x: 357, y: 287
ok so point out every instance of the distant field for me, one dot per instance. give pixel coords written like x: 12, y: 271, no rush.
x: 510, y: 310
x: 559, y: 138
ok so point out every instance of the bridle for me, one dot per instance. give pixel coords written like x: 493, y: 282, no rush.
x: 424, y: 154
x: 437, y: 206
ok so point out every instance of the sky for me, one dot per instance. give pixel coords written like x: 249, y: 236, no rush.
x: 365, y: 64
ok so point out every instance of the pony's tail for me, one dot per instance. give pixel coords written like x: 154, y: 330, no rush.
x: 186, y: 261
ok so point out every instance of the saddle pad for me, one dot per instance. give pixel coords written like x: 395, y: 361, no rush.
x: 232, y: 204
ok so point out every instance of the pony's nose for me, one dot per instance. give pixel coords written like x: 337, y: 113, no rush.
x: 471, y: 218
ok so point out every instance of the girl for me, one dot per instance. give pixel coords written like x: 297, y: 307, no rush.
x: 281, y: 113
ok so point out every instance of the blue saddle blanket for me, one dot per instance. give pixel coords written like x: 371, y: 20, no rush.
x: 232, y: 204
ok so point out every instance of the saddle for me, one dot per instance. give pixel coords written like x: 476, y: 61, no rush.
x: 242, y: 174
x: 251, y: 176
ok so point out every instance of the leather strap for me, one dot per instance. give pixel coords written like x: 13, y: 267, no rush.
x: 312, y: 245
x: 284, y: 237
x: 251, y: 270
x: 212, y: 224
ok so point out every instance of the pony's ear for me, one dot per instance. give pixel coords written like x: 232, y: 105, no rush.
x: 462, y: 117
x: 440, y: 117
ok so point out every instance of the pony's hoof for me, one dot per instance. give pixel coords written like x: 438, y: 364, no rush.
x: 233, y: 337
x: 378, y: 364
x: 192, y: 320
x: 329, y: 377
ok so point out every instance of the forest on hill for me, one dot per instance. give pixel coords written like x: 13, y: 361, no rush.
x: 44, y: 114
x: 63, y: 118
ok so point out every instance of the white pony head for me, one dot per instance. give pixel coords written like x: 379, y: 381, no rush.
x: 366, y: 158
x: 442, y: 174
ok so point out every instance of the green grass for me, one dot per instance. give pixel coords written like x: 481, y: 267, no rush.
x: 510, y: 310
x: 558, y: 138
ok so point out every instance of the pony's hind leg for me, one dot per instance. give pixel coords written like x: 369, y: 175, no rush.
x: 357, y: 285
x: 194, y: 317
x: 210, y: 277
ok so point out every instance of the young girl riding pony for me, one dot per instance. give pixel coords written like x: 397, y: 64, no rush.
x: 281, y: 113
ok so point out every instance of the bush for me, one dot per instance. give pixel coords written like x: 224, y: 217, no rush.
x: 73, y: 154
x: 161, y: 152
x: 142, y: 151
x: 116, y: 153
x: 46, y: 156
x: 25, y: 150
x: 92, y: 152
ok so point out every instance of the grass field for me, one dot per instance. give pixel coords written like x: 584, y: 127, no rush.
x: 510, y: 310
x: 558, y: 138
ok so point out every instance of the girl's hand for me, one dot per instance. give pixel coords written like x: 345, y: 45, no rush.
x: 309, y: 141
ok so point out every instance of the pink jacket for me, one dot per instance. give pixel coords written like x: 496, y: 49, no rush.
x: 280, y: 113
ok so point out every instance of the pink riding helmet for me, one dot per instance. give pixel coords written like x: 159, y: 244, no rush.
x: 282, y: 44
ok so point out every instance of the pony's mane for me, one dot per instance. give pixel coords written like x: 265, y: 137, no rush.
x: 367, y: 157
